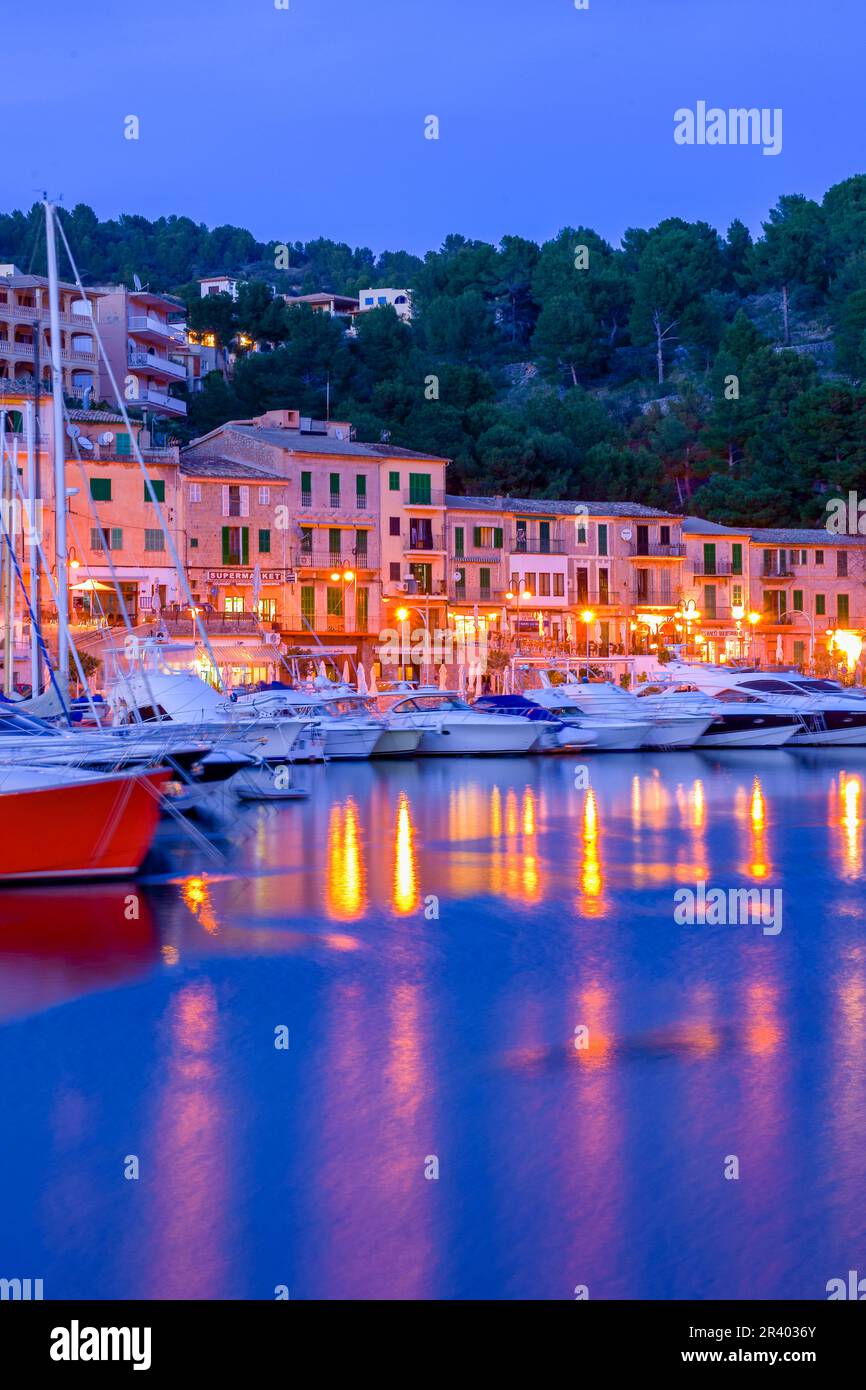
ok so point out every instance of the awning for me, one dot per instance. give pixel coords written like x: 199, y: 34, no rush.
x: 256, y: 654
x: 91, y: 586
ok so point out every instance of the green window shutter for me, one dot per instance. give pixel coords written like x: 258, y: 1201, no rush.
x: 842, y: 607
x: 334, y: 541
x: 458, y: 540
x: 476, y: 537
x: 245, y: 545
x: 362, y: 609
x: 226, y: 545
x: 602, y: 538
x: 122, y: 444
x: 361, y: 539
x: 116, y: 538
x: 820, y: 606
x: 394, y: 482
x: 361, y: 487
x: 100, y: 489
x: 497, y: 537
x: 264, y: 542
x: 798, y: 600
x: 419, y: 488
x: 709, y: 558
x: 737, y: 558
x: 308, y: 602
x: 335, y: 484
x: 158, y: 486
x: 484, y: 579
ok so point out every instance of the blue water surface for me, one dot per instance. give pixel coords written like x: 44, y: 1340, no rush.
x: 431, y: 934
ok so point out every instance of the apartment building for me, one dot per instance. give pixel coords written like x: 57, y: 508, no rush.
x: 25, y: 333
x: 807, y: 585
x: 399, y: 300
x: 717, y: 587
x: 352, y: 528
x: 145, y: 348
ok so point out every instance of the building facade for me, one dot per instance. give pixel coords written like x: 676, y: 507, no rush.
x: 145, y: 349
x: 25, y: 332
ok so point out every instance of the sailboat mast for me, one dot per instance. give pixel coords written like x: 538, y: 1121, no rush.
x: 33, y: 524
x: 5, y: 577
x: 60, y: 546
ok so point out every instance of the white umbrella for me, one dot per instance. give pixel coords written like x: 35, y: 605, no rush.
x: 322, y: 672
x: 479, y: 682
x: 347, y: 674
x: 506, y: 681
x: 443, y: 677
x: 373, y: 689
x: 780, y: 655
x: 362, y: 679
x: 461, y: 679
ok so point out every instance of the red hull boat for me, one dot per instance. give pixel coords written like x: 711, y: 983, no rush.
x: 79, y: 826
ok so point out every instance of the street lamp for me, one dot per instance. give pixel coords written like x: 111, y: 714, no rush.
x: 587, y: 617
x: 753, y: 619
x: 402, y: 615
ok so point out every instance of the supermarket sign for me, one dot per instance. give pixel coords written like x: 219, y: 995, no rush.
x: 238, y: 576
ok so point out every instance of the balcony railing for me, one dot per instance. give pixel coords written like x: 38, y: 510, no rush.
x: 591, y: 598
x: 657, y: 552
x: 655, y: 597
x: 718, y: 569
x: 423, y: 540
x: 535, y: 545
x: 435, y: 497
x: 150, y: 362
x: 146, y: 323
x: 324, y: 558
x: 779, y: 571
x: 147, y: 396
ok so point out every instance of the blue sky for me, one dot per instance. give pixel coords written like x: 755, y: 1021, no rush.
x: 309, y: 122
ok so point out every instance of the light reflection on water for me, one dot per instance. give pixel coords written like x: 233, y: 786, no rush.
x: 432, y: 934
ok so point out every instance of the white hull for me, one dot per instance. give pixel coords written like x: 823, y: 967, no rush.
x: 477, y: 737
x: 343, y: 742
x: 747, y: 738
x: 676, y: 733
x: 615, y: 737
x: 396, y: 743
x: 826, y: 738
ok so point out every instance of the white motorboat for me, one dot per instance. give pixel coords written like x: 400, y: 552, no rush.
x: 595, y: 709
x: 450, y: 727
x: 828, y: 714
x: 347, y: 728
x: 739, y: 718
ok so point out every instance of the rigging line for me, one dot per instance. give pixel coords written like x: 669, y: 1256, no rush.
x: 56, y: 597
x: 179, y: 568
x: 39, y: 638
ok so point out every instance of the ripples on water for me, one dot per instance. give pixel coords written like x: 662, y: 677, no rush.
x: 413, y: 1035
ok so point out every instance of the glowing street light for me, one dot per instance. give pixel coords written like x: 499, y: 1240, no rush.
x: 587, y: 617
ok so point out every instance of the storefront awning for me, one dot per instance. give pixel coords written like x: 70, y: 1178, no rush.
x: 256, y: 654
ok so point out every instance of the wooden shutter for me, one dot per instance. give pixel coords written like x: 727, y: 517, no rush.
x: 476, y: 537
x: 497, y: 537
x: 225, y: 499
x: 226, y: 543
x: 245, y: 501
x: 245, y: 545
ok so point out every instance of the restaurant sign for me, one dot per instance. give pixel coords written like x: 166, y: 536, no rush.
x: 238, y: 576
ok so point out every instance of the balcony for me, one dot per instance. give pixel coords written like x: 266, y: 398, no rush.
x: 581, y: 597
x: 652, y: 597
x: 323, y: 558
x: 146, y: 323
x: 161, y: 400
x: 534, y: 545
x: 146, y: 361
x: 657, y: 552
x: 434, y: 498
x: 781, y: 571
x: 428, y: 541
x: 721, y: 569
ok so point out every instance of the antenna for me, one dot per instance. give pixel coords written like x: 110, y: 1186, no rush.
x: 137, y: 282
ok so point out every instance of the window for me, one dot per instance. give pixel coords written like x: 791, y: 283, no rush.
x: 603, y: 585
x: 842, y: 608
x: 497, y: 538
x: 306, y: 540
x: 368, y: 299
x: 335, y: 544
x: 458, y: 540
x: 393, y: 482
x: 664, y: 535
x: 799, y: 653
x: 122, y: 445
x: 394, y: 571
x: 423, y: 576
x: 529, y: 583
x: 233, y: 604
x: 264, y: 496
x: 306, y: 489
x: 158, y: 488
x: 264, y: 542
x: 100, y: 489
x: 308, y: 603
x: 236, y: 545
x: 709, y: 557
x: 544, y: 537
x: 559, y: 586
x: 361, y: 492
x: 842, y: 564
x: 362, y: 609
x: 154, y: 539
x: 419, y: 489
x: 484, y: 582
x: 193, y: 542
x: 797, y: 603
x: 820, y: 605
x: 736, y: 595
x: 393, y: 526
x: 581, y: 533
x: 113, y: 535
x: 710, y: 600
x: 544, y: 585
x: 737, y: 559
x: 334, y: 607
x: 335, y: 489
x: 195, y: 492
x: 602, y: 538
x: 383, y: 299
x: 361, y: 542
x: 819, y: 557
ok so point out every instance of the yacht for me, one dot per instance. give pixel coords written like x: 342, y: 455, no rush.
x: 739, y: 718
x: 450, y: 727
x: 347, y: 727
x: 827, y: 713
x: 554, y: 734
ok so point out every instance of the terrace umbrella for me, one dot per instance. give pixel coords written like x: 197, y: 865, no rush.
x: 780, y: 654
x: 479, y: 681
x: 373, y: 689
x: 347, y: 674
x: 461, y: 679
x: 506, y: 681
x: 322, y: 672
x: 362, y: 679
x: 443, y: 677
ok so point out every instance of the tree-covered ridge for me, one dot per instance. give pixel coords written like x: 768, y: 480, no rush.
x: 682, y: 368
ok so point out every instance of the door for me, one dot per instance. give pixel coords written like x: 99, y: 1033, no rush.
x: 643, y: 540
x: 709, y: 558
x: 544, y: 537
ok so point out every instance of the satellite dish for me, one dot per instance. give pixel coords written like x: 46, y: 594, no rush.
x: 458, y: 575
x: 137, y: 282
x: 626, y: 533
x: 105, y: 438
x: 339, y: 434
x: 85, y: 443
x: 73, y: 431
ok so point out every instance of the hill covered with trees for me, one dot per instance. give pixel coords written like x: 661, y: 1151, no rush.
x: 682, y: 368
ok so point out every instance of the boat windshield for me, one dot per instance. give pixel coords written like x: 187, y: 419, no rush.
x: 12, y: 722
x: 427, y: 704
x: 351, y: 705
x: 823, y: 687
x: 737, y: 696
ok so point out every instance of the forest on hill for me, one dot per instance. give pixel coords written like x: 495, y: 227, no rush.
x: 683, y: 369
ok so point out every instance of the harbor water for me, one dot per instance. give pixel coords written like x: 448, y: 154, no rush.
x: 436, y: 1032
